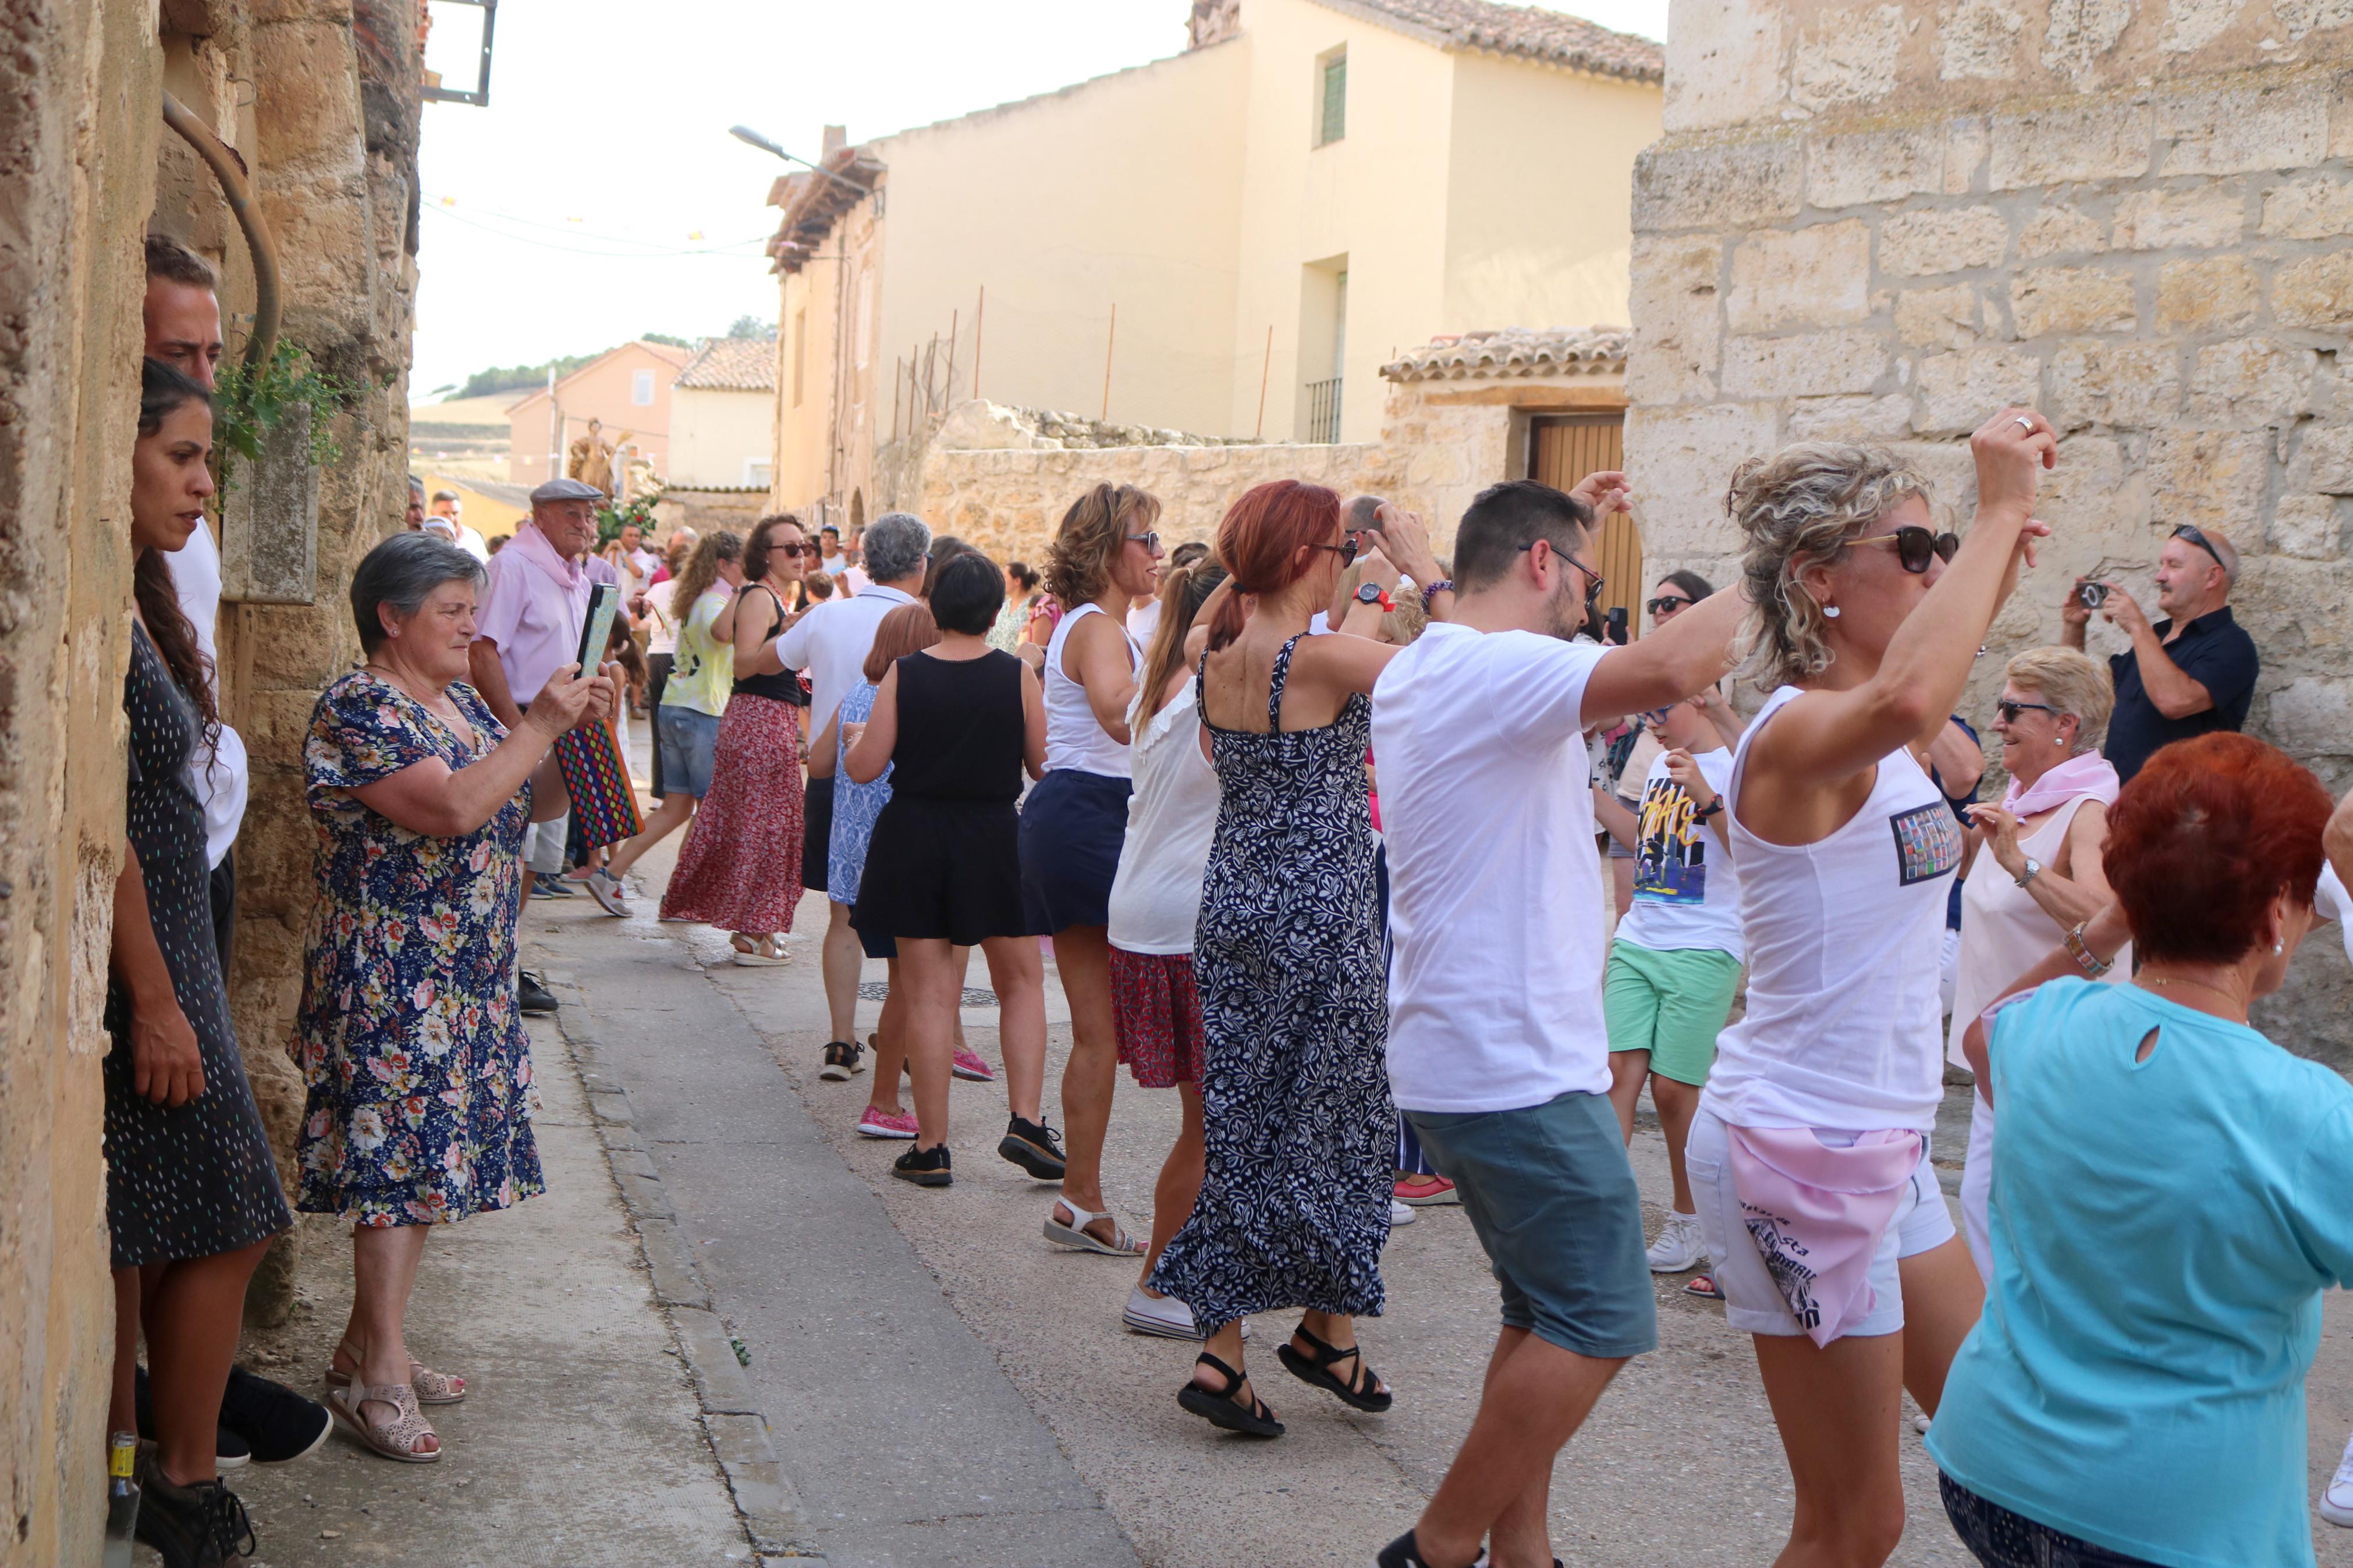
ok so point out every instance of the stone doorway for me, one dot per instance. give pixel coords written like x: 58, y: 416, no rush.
x: 1562, y: 449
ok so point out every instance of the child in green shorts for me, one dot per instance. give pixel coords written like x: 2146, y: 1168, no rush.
x: 1676, y: 960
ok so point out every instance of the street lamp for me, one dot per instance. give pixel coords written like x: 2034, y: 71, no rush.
x: 745, y: 133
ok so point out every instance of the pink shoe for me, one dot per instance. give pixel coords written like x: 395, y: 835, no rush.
x: 879, y: 1123
x: 968, y: 1065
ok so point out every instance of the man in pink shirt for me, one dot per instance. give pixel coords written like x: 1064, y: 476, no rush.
x: 527, y: 628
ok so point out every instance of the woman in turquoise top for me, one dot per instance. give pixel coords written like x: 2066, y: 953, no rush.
x: 2170, y: 1197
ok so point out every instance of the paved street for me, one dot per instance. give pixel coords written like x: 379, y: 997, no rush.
x: 943, y: 1387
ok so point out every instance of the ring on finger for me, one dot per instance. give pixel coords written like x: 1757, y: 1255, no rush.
x: 2025, y: 424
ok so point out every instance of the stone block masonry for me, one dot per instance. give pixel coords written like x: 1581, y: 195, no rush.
x: 2139, y: 221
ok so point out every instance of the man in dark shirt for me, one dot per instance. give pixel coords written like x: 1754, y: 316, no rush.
x: 2189, y: 674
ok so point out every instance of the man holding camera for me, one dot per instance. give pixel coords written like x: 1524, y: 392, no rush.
x: 2189, y: 674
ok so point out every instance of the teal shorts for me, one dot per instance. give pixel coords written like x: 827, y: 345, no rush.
x: 1671, y: 1004
x: 1553, y: 1200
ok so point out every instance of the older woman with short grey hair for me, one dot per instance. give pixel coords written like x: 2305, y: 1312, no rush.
x: 408, y: 1038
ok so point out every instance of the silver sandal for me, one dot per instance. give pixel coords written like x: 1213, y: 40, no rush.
x: 395, y: 1439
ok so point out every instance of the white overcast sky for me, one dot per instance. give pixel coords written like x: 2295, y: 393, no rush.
x: 555, y: 217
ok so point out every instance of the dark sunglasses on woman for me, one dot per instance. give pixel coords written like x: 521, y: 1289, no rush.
x: 1914, y: 546
x: 1667, y: 604
x: 2009, y: 710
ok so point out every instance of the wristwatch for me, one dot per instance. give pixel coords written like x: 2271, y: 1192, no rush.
x: 1366, y: 593
x: 1710, y: 808
x: 2033, y: 869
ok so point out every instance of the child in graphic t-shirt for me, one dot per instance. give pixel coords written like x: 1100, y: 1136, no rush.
x: 1676, y: 960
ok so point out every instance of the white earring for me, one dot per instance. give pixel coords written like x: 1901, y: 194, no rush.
x: 2280, y: 946
x: 1832, y: 611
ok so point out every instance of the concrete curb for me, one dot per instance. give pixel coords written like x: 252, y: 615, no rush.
x: 766, y: 1498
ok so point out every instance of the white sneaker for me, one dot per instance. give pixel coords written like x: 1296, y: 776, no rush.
x: 1679, y: 1247
x: 1402, y: 1214
x: 2336, y: 1501
x: 1162, y: 1317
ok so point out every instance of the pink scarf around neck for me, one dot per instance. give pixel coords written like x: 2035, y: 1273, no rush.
x: 540, y: 550
x: 2089, y: 774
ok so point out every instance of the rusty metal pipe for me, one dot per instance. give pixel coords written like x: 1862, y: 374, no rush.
x: 227, y: 169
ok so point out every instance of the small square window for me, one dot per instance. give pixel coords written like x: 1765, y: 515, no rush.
x: 1332, y: 119
x: 641, y: 389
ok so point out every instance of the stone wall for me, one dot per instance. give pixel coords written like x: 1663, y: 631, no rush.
x: 1884, y: 222
x: 78, y: 86
x: 1441, y: 443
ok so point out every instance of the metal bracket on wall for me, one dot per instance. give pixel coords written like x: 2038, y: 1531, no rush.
x: 480, y: 95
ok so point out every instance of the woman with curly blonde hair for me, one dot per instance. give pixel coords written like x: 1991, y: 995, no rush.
x: 1106, y: 551
x: 1807, y: 1158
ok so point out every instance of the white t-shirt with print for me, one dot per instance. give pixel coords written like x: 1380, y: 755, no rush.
x: 1687, y: 893
x: 1496, y: 887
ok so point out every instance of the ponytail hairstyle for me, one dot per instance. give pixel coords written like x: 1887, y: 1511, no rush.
x: 1183, y: 592
x: 1093, y: 533
x: 163, y: 391
x: 1801, y: 507
x: 1266, y: 541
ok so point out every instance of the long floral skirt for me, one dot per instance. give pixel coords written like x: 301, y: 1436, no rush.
x: 741, y: 867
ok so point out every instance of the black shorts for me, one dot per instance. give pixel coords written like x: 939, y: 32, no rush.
x: 816, y: 831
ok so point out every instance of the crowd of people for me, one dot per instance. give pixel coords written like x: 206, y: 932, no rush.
x: 1310, y: 823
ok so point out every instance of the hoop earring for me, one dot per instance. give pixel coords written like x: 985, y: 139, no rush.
x: 1832, y: 611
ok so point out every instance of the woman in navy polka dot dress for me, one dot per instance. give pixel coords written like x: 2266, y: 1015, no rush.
x: 191, y: 1194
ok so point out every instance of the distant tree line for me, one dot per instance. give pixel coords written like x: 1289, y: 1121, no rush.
x: 521, y: 377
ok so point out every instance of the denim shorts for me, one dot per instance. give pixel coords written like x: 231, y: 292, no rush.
x: 1553, y: 1199
x: 688, y: 737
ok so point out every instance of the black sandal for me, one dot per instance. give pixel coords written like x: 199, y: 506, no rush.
x: 1223, y: 1410
x: 1317, y: 1371
x: 841, y: 1059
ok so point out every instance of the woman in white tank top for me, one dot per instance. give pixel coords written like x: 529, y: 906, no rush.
x: 2037, y: 872
x: 1808, y: 1149
x: 1105, y: 552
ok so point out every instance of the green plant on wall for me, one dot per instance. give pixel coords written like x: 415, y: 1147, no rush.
x: 248, y: 403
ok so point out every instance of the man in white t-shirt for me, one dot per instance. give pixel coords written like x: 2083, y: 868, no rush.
x: 446, y: 504
x: 1498, y: 1052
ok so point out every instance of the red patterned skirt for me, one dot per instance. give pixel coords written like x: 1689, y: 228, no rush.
x: 741, y: 867
x: 1156, y: 1016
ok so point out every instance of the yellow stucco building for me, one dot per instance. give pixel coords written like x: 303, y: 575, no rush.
x: 1230, y: 242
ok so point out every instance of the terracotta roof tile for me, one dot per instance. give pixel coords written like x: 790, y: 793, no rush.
x: 732, y: 364
x: 1514, y: 352
x: 1529, y: 31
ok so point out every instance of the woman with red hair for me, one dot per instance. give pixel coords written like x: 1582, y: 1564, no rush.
x: 1299, y: 1133
x: 2142, y: 1401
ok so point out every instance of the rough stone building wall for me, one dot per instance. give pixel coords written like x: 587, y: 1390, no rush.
x: 78, y: 84
x: 1883, y: 222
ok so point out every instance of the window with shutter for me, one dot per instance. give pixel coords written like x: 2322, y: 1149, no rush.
x: 1332, y: 124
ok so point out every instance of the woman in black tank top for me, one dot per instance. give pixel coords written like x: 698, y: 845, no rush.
x: 958, y: 724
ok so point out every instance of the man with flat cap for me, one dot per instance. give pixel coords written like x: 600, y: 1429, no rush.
x: 527, y: 628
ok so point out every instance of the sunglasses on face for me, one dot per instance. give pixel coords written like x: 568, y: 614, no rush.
x: 2189, y: 531
x: 1666, y: 605
x: 1150, y: 540
x: 1346, y: 550
x: 1916, y: 546
x: 2009, y: 710
x: 814, y: 551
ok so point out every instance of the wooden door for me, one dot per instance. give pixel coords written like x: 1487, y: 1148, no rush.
x: 1562, y: 449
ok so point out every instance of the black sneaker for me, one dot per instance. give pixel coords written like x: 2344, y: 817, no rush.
x: 231, y: 1451
x: 924, y: 1167
x: 531, y: 994
x: 280, y: 1424
x: 200, y: 1526
x: 1033, y: 1146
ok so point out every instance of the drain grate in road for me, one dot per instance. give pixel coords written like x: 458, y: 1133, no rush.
x: 878, y: 991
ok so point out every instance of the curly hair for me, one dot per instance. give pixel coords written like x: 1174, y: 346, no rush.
x: 757, y: 546
x: 1094, y: 532
x: 1805, y: 507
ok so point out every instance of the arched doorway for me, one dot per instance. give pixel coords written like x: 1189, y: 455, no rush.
x: 1562, y: 449
x: 856, y: 512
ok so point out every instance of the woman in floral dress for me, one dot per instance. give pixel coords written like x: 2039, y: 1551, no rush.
x: 409, y: 1037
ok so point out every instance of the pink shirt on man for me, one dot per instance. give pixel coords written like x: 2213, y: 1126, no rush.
x: 534, y: 609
